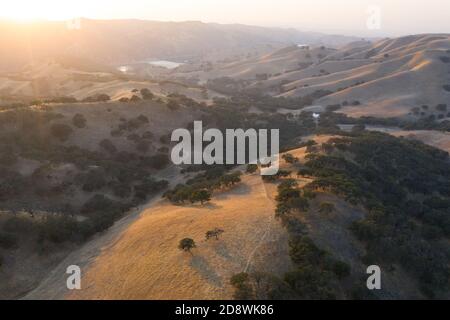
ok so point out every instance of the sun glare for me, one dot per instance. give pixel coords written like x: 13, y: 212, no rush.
x: 30, y: 10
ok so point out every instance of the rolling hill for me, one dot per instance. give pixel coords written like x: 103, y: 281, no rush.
x: 115, y: 42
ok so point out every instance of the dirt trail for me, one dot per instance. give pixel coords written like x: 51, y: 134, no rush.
x: 138, y: 257
x: 264, y: 236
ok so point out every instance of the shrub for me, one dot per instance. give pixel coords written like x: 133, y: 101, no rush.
x: 135, y: 98
x: 143, y: 146
x: 19, y: 225
x: 149, y: 187
x: 201, y: 196
x: 241, y: 283
x: 159, y: 161
x: 132, y: 124
x: 326, y: 207
x: 121, y: 190
x: 341, y: 269
x: 147, y: 94
x: 8, y: 240
x: 98, y: 203
x: 97, y: 98
x: 216, y: 232
x: 79, y: 121
x: 441, y: 107
x: 173, y: 105
x: 187, y: 244
x: 93, y: 180
x: 58, y: 229
x: 147, y: 135
x: 133, y: 137
x: 116, y: 133
x: 61, y: 100
x: 7, y: 158
x: 61, y: 131
x: 310, y: 282
x: 164, y: 139
x: 289, y: 158
x: 108, y: 145
x: 142, y: 118
x: 251, y: 168
x: 229, y: 180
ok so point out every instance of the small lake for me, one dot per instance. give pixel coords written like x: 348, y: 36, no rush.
x: 159, y: 63
x: 165, y: 63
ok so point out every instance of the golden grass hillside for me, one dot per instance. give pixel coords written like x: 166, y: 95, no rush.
x: 141, y: 259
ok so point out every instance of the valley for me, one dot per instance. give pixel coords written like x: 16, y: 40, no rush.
x: 87, y: 176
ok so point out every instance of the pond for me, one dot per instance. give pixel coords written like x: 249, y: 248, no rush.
x: 165, y: 63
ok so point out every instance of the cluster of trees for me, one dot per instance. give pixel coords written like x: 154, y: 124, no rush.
x: 58, y: 228
x: 315, y: 270
x: 122, y: 174
x: 149, y: 186
x: 57, y: 100
x: 64, y: 99
x: 61, y: 131
x: 329, y: 121
x: 102, y: 97
x: 251, y: 168
x: 289, y: 158
x: 400, y: 182
x: 8, y: 240
x: 187, y: 244
x: 280, y: 174
x: 317, y: 273
x: 233, y: 113
x: 79, y: 121
x: 147, y: 94
x: 290, y: 197
x: 182, y: 194
x: 200, y: 188
x: 11, y: 184
x: 142, y: 141
x: 266, y: 103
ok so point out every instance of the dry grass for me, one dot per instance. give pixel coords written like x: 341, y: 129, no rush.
x: 142, y: 261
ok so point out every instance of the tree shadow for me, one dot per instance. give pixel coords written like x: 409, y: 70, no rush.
x: 207, y: 205
x: 205, y: 270
x: 239, y: 190
x: 222, y: 250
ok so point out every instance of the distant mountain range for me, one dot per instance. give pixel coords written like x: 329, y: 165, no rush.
x: 125, y: 41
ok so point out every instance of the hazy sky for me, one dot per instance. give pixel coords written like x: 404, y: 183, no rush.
x: 332, y: 16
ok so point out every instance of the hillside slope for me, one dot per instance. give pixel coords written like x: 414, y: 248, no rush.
x: 388, y: 78
x: 125, y: 41
x: 143, y: 261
